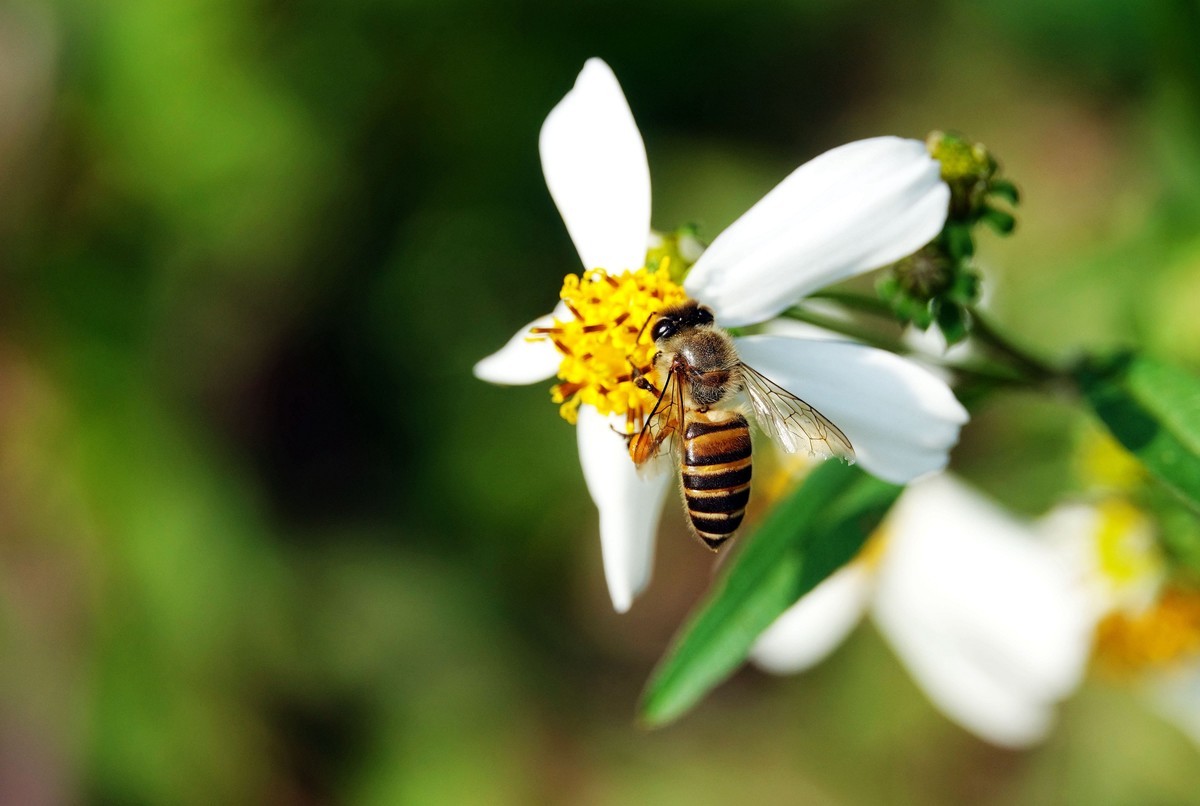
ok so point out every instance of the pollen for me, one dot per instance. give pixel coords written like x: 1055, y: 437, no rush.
x: 1165, y: 632
x: 605, y: 342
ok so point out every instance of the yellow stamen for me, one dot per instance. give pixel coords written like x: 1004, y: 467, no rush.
x: 604, y: 341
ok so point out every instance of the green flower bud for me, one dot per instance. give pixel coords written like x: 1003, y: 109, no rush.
x: 925, y: 274
x: 970, y: 171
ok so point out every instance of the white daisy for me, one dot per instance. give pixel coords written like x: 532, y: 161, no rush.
x: 1147, y: 624
x: 989, y: 619
x: 850, y: 210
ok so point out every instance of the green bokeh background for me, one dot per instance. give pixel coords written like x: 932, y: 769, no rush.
x: 264, y: 539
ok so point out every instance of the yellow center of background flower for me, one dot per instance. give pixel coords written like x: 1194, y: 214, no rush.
x: 1165, y: 632
x: 1125, y: 546
x: 607, y: 337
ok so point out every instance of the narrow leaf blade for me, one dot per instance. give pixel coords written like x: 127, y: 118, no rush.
x: 1153, y: 409
x: 805, y: 539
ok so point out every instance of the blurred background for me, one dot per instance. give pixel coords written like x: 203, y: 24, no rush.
x: 263, y: 537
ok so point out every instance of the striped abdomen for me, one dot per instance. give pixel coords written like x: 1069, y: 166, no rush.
x: 716, y: 474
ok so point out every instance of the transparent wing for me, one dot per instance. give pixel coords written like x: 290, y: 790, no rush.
x: 791, y: 422
x: 663, y: 424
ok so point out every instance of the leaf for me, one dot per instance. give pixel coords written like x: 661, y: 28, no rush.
x: 1002, y: 222
x: 805, y: 539
x: 952, y: 321
x: 958, y: 241
x: 1005, y: 190
x: 1153, y: 409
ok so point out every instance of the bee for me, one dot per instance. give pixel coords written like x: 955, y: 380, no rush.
x: 698, y: 417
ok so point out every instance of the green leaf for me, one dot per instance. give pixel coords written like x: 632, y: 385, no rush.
x: 1002, y: 222
x: 966, y: 287
x: 952, y: 321
x: 1153, y: 409
x: 1005, y: 190
x: 958, y: 241
x: 805, y: 539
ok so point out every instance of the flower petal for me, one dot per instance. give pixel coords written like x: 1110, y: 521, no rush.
x: 811, y: 629
x: 522, y: 361
x: 630, y: 504
x: 595, y: 166
x: 853, y: 209
x: 988, y: 619
x: 901, y: 419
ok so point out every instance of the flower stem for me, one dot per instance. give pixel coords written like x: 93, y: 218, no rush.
x: 1034, y: 368
x: 845, y: 328
x: 988, y: 373
x: 857, y: 302
x: 1030, y: 367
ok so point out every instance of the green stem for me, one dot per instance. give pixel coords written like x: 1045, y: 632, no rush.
x: 845, y: 328
x: 1037, y: 370
x: 1029, y: 366
x: 857, y: 302
x: 987, y: 373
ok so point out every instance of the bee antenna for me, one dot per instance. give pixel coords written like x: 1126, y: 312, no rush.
x: 649, y: 319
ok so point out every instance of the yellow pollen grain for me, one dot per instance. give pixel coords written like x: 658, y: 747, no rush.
x: 606, y: 337
x: 1163, y: 633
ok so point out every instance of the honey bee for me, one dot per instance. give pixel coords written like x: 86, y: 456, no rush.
x: 697, y: 416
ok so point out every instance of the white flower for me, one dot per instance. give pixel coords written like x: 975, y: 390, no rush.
x: 850, y: 210
x: 989, y: 620
x: 1147, y: 625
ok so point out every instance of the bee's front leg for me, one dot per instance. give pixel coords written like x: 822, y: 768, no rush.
x: 638, y: 376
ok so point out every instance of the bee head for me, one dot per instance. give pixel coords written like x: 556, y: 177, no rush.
x: 681, y: 317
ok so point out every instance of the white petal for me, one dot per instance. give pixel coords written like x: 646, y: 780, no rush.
x: 1074, y: 529
x: 810, y: 629
x: 987, y: 618
x: 630, y: 504
x: 853, y: 209
x: 900, y: 418
x: 521, y: 361
x: 595, y: 166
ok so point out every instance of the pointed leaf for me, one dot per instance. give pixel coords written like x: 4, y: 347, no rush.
x: 1153, y: 409
x: 805, y: 539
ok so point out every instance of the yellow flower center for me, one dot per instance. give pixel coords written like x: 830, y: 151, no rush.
x: 1125, y: 546
x: 607, y: 339
x: 1166, y: 631
x: 1153, y: 622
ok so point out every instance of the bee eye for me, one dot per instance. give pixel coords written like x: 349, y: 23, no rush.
x: 704, y: 316
x: 663, y: 328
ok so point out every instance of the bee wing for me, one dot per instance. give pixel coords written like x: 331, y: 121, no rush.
x: 791, y: 422
x: 663, y: 424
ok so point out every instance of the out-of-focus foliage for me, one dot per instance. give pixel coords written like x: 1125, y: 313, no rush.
x: 262, y: 536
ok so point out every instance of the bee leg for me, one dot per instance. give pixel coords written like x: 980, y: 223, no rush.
x: 627, y: 437
x: 642, y: 382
